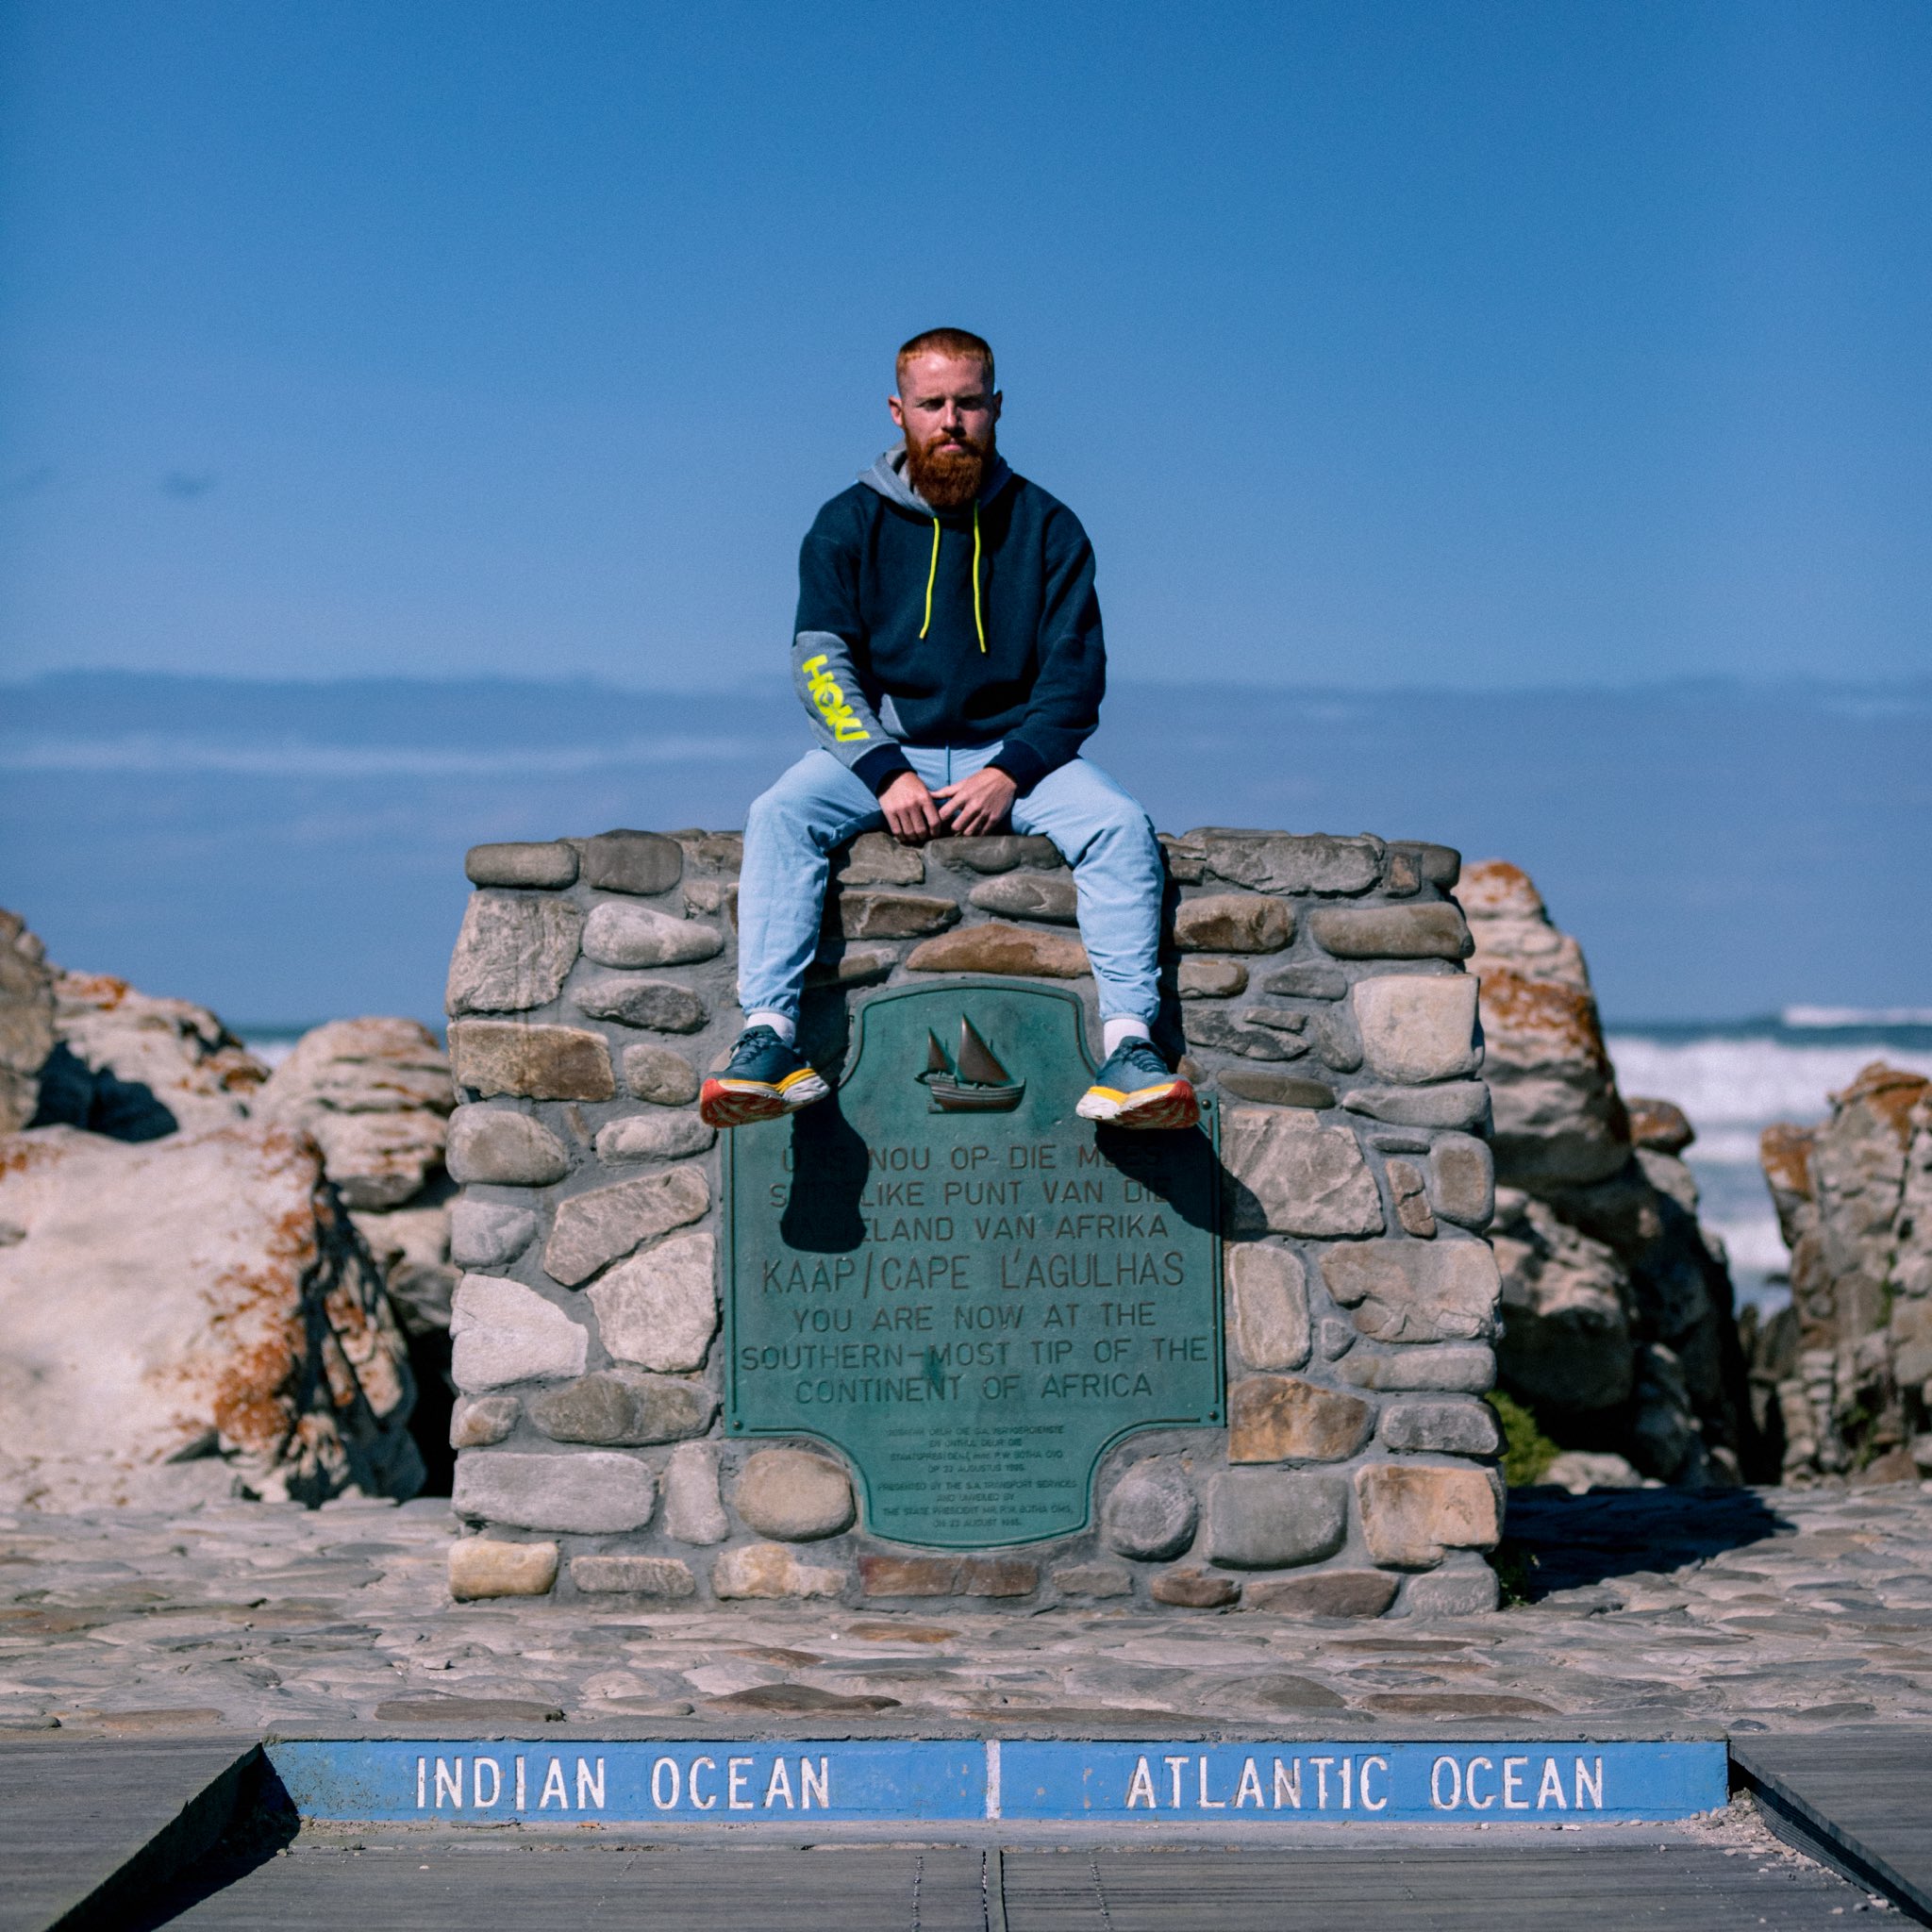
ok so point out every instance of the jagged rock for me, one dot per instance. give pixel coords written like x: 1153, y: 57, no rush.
x: 1565, y: 1302
x: 1407, y: 1291
x: 512, y: 952
x: 505, y: 1333
x: 198, y: 1295
x: 594, y: 1228
x: 133, y: 1067
x: 1660, y: 1125
x: 26, y: 1020
x: 661, y: 1308
x: 376, y: 1095
x: 1297, y: 1176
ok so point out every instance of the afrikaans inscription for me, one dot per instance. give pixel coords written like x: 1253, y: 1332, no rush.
x: 944, y: 1273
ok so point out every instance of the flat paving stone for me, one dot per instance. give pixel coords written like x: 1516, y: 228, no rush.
x: 1751, y: 1612
x: 82, y: 1824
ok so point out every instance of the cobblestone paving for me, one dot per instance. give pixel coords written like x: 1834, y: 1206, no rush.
x: 1745, y: 1609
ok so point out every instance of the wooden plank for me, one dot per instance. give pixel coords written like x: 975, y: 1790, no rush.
x: 83, y: 1824
x: 435, y: 1886
x: 1858, y: 1797
x: 1616, y: 1886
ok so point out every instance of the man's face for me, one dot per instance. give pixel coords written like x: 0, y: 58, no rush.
x: 948, y: 413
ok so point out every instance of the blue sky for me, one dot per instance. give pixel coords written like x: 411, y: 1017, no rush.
x: 1377, y: 343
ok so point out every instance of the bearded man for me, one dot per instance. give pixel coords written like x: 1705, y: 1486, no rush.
x: 948, y: 652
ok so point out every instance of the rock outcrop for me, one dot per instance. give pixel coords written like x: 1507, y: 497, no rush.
x: 1842, y: 1377
x: 375, y: 1095
x: 195, y: 1300
x: 193, y: 1256
x: 1617, y: 1303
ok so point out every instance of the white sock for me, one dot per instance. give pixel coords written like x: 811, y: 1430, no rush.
x: 786, y: 1029
x: 1112, y: 1032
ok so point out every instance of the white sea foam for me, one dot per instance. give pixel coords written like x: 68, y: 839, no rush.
x: 1744, y: 1082
x: 1733, y: 1085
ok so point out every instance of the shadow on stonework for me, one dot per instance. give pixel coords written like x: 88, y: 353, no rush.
x: 1553, y: 1541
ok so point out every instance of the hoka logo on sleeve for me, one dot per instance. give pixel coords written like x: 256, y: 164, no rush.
x: 832, y: 701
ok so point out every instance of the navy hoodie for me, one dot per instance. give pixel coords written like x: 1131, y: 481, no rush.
x: 959, y: 628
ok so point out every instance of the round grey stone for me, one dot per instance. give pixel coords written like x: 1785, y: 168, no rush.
x: 1151, y: 1511
x: 794, y: 1495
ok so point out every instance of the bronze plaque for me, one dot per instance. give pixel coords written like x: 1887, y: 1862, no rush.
x: 945, y: 1274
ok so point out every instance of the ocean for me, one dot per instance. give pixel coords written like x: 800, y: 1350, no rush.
x: 1733, y: 1081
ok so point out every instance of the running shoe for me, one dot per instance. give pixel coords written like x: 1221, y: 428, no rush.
x: 765, y: 1078
x: 1136, y: 1089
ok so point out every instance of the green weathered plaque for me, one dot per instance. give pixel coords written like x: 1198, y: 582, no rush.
x: 947, y: 1274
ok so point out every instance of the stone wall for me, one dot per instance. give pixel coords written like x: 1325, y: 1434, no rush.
x: 1316, y: 985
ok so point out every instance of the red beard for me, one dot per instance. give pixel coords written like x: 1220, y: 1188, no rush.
x: 948, y: 473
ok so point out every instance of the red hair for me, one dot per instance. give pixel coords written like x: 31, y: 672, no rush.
x: 944, y: 341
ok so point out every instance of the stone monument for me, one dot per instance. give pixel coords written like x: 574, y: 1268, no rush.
x: 937, y: 1339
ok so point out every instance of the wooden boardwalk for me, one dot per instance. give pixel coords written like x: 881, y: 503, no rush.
x: 87, y: 1827
x: 1616, y: 1880
x: 1861, y: 1798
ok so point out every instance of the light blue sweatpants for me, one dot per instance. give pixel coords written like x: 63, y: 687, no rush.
x: 818, y: 805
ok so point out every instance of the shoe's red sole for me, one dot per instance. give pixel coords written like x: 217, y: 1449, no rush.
x: 1172, y: 1106
x: 719, y: 1106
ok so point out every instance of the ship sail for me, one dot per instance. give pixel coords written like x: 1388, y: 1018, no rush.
x: 936, y: 1061
x: 976, y: 1061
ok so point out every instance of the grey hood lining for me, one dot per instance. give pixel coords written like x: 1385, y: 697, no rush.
x: 887, y: 475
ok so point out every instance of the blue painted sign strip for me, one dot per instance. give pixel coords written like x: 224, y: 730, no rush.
x: 884, y: 1781
x: 1359, y: 1782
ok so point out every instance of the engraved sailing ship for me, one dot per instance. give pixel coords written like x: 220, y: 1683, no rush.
x: 972, y: 1082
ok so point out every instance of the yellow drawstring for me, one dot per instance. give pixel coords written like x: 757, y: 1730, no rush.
x: 932, y: 572
x: 978, y: 623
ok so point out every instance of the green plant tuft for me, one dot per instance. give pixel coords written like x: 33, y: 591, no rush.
x: 1526, y: 1451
